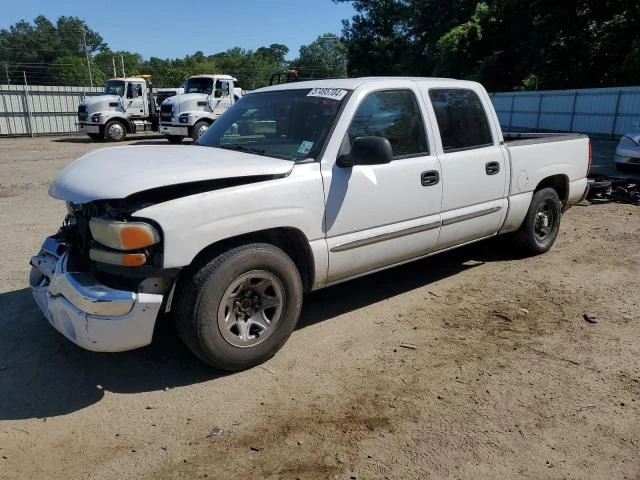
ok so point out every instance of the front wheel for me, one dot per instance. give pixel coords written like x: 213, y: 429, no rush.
x: 236, y: 310
x: 198, y: 130
x: 540, y: 227
x: 115, y: 131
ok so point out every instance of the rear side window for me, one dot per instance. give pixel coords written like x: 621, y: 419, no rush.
x: 461, y: 119
x: 394, y: 115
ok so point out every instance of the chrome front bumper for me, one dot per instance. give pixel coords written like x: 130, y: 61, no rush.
x: 91, y: 315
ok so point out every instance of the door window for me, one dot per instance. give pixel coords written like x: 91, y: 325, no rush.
x: 134, y: 87
x: 394, y: 115
x: 461, y: 119
x: 222, y: 88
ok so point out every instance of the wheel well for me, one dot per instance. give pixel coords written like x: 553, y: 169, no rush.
x: 292, y: 241
x: 560, y: 183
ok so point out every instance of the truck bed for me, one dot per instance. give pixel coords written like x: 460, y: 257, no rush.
x: 530, y: 138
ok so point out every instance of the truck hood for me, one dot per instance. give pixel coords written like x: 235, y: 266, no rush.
x: 117, y: 172
x: 186, y: 102
x: 100, y: 103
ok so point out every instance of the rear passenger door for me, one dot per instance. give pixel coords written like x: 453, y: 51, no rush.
x: 473, y: 167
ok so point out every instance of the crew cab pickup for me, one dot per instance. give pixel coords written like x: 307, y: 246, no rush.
x: 296, y: 187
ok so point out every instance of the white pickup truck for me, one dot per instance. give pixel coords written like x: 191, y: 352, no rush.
x: 296, y: 187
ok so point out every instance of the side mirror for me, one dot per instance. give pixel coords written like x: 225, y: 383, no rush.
x: 217, y: 93
x: 367, y: 151
x: 134, y: 91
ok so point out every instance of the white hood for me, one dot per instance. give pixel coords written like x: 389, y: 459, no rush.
x: 117, y: 172
x: 186, y: 102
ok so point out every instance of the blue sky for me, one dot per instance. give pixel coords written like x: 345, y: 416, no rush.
x: 170, y: 29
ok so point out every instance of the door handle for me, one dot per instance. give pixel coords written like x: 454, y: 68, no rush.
x: 492, y: 168
x: 430, y: 177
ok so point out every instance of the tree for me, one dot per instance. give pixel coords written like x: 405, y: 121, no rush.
x: 325, y: 57
x: 105, y: 59
x: 34, y: 48
x: 72, y: 70
x: 274, y: 53
x: 506, y: 44
x: 378, y: 38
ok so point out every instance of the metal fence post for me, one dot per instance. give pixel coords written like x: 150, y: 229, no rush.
x: 573, y: 110
x: 615, y: 115
x: 26, y: 103
x: 513, y: 97
x: 539, y: 109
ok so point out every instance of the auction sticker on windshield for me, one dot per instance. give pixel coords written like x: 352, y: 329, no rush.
x: 305, y: 147
x: 334, y: 93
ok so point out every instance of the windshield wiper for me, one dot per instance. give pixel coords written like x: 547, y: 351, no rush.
x: 242, y: 148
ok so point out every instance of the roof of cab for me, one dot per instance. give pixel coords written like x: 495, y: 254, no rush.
x: 214, y: 75
x: 129, y: 79
x: 353, y: 83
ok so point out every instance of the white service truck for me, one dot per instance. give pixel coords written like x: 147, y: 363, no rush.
x: 128, y: 105
x: 299, y: 186
x: 205, y: 98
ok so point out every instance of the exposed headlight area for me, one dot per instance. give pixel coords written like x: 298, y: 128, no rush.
x: 121, y: 235
x: 126, y: 242
x: 96, y: 118
x: 183, y: 118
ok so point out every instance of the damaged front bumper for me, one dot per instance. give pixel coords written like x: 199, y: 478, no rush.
x: 90, y: 314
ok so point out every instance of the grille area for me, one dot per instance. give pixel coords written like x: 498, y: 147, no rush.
x: 165, y: 112
x: 82, y: 113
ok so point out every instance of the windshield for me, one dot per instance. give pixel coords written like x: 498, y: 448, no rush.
x: 199, y: 85
x: 114, y: 87
x: 288, y: 124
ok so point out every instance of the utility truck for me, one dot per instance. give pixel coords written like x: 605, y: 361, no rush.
x: 297, y: 187
x: 190, y: 114
x: 128, y: 105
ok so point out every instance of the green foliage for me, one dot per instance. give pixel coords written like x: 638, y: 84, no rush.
x: 105, y: 60
x: 72, y: 70
x: 33, y: 48
x: 569, y: 44
x: 530, y: 83
x: 325, y: 57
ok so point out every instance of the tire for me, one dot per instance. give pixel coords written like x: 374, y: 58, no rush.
x: 94, y: 136
x: 198, y: 129
x: 115, y: 131
x: 263, y: 290
x: 622, y: 167
x: 176, y: 139
x: 540, y: 227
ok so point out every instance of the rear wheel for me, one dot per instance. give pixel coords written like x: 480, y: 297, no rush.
x: 540, y: 227
x: 174, y: 138
x: 115, y: 131
x: 198, y: 130
x: 236, y: 310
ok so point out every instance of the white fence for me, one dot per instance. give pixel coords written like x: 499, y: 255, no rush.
x: 607, y: 111
x: 40, y: 110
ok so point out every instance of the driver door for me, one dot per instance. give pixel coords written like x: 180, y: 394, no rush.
x: 134, y: 100
x: 222, y: 97
x: 380, y: 215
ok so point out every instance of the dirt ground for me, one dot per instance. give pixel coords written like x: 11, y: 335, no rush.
x: 507, y: 380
